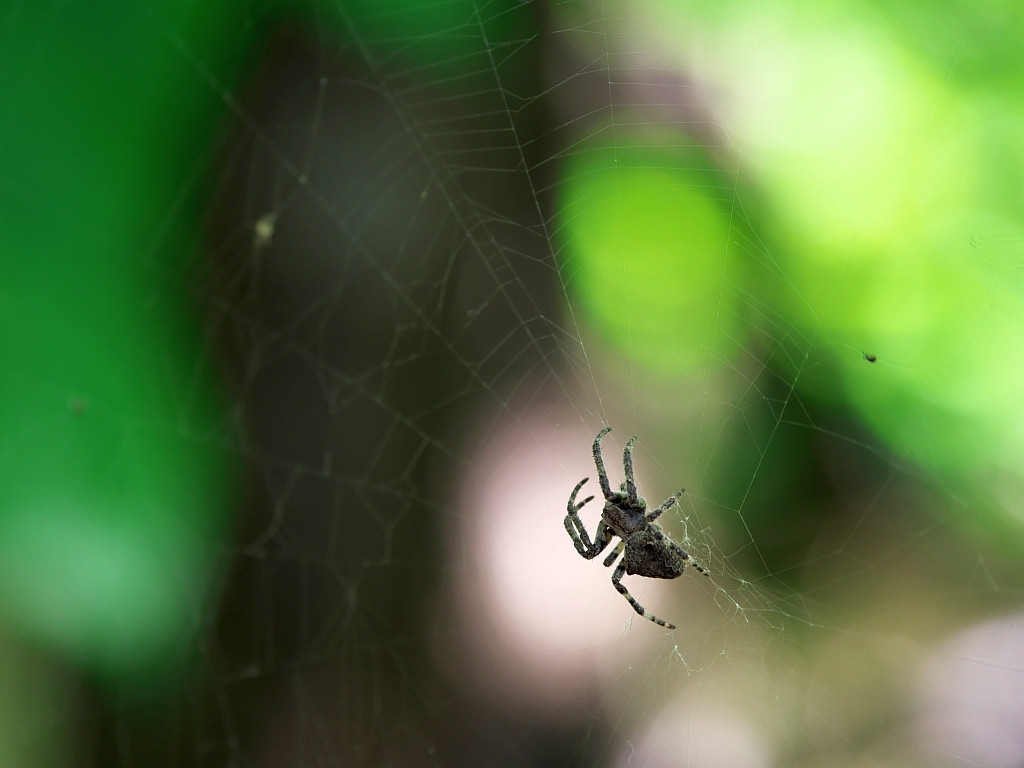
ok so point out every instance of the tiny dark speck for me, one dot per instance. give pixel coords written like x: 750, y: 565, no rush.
x: 870, y: 358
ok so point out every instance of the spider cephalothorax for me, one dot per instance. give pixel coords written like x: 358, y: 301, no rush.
x: 649, y: 552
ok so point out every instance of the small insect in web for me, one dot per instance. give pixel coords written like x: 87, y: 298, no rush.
x: 263, y: 230
x: 649, y: 552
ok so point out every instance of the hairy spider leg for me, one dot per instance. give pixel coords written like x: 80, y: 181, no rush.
x: 627, y: 462
x: 617, y: 583
x: 602, y: 473
x: 654, y: 514
x: 686, y: 556
x: 572, y: 498
x: 576, y: 529
x: 614, y: 553
x: 581, y: 539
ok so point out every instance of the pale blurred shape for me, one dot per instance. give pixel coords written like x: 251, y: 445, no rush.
x: 972, y: 697
x: 538, y: 616
x: 683, y: 738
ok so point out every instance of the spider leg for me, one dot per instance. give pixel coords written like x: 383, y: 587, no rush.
x: 667, y: 504
x: 581, y: 539
x: 576, y: 529
x: 572, y: 506
x: 686, y: 556
x: 602, y: 473
x: 614, y: 553
x: 617, y: 583
x: 627, y: 462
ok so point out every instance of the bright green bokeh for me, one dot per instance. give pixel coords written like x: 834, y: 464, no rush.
x: 645, y: 232
x: 114, y: 485
x: 892, y: 161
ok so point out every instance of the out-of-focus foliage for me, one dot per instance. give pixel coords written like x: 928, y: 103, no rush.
x: 114, y: 480
x: 645, y: 224
x: 887, y: 143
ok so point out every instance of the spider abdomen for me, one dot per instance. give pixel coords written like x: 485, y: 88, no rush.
x: 648, y: 555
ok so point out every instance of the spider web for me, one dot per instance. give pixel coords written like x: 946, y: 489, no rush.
x: 391, y: 289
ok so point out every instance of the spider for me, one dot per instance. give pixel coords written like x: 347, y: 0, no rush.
x: 649, y: 552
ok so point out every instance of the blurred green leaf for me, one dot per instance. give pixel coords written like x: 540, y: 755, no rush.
x: 645, y: 225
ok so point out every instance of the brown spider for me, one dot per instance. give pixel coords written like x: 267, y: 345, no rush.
x: 649, y: 552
